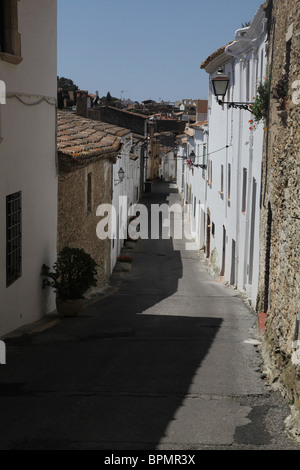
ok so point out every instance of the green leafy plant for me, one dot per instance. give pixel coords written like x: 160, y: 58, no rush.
x: 260, y: 106
x: 280, y: 91
x: 73, y: 274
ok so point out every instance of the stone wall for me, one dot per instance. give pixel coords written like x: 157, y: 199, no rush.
x: 279, y: 292
x: 77, y: 219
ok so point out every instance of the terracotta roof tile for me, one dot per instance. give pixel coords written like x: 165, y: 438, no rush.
x: 79, y: 137
x: 214, y: 55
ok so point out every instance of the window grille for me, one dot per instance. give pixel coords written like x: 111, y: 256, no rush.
x: 13, y: 237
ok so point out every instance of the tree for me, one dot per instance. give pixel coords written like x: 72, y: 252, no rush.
x: 108, y: 100
x: 60, y: 100
x: 66, y: 84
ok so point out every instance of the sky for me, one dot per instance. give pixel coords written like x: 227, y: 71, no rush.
x: 145, y: 49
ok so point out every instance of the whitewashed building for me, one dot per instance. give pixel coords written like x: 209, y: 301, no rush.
x: 121, y: 190
x: 191, y: 177
x: 127, y: 188
x: 234, y: 162
x: 28, y: 189
x: 225, y: 189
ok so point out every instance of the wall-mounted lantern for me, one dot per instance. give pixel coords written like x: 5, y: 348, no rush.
x: 192, y: 160
x: 220, y: 85
x: 121, y: 175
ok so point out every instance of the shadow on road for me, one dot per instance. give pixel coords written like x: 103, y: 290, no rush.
x: 116, y: 377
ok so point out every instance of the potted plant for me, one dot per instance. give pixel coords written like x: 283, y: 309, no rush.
x: 124, y: 263
x: 259, y: 108
x: 125, y: 259
x: 73, y: 274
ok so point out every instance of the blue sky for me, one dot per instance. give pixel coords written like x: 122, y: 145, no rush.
x: 150, y: 49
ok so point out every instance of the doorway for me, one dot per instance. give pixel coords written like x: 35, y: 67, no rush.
x: 223, y: 252
x: 232, y: 273
x: 208, y: 234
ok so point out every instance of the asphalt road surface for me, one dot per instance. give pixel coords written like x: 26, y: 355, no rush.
x: 166, y: 359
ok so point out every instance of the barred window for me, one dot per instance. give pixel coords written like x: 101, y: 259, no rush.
x: 13, y: 237
x: 10, y: 39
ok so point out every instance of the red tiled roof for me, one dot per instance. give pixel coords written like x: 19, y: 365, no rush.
x: 214, y: 55
x: 79, y: 137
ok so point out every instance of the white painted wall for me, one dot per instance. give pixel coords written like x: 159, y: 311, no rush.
x: 125, y: 193
x: 190, y: 179
x: 232, y: 147
x: 231, y: 142
x: 167, y: 170
x: 28, y: 162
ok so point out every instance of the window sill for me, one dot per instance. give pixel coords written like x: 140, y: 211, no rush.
x: 11, y: 58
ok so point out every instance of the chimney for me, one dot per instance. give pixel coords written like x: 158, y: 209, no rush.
x: 82, y: 103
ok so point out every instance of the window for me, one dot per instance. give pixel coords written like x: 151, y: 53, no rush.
x: 89, y: 193
x: 222, y: 182
x: 209, y: 177
x: 204, y: 160
x: 10, y: 39
x: 13, y: 237
x: 244, y: 194
x: 213, y: 229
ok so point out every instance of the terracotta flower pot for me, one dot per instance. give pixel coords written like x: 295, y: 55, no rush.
x: 262, y: 322
x: 69, y: 308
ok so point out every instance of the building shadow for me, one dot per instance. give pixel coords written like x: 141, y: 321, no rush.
x: 116, y: 377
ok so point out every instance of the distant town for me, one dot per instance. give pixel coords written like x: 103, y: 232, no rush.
x: 187, y: 110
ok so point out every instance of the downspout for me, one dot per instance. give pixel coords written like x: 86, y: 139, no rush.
x: 238, y: 212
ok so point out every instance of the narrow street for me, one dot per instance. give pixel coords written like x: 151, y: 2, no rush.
x: 166, y: 360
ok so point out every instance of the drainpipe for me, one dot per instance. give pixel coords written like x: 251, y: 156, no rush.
x: 238, y: 211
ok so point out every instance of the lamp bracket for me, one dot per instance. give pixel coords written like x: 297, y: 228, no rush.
x: 238, y: 105
x: 201, y: 165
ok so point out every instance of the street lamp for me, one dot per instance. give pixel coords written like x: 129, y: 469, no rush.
x: 192, y: 157
x: 192, y: 160
x: 121, y: 174
x: 220, y: 84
